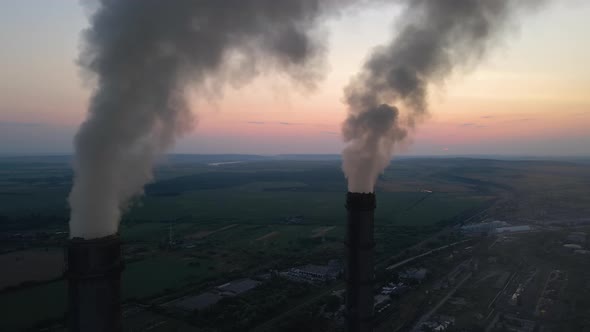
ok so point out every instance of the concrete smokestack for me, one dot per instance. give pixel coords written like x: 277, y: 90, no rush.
x: 360, y: 261
x: 94, y: 284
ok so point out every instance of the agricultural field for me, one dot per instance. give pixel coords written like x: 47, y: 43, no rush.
x: 204, y: 221
x: 30, y: 266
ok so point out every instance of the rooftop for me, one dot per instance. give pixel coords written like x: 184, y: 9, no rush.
x: 239, y: 286
x: 198, y: 302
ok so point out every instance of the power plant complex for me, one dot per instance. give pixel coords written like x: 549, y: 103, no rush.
x: 143, y: 57
x: 94, y: 269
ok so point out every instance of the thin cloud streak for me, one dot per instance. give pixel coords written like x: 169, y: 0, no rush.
x: 10, y: 124
x: 291, y: 124
x: 518, y: 120
x: 282, y: 123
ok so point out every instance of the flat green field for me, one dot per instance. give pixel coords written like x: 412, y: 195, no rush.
x: 30, y: 306
x: 146, y: 278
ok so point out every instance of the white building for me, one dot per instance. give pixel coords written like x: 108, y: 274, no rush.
x: 513, y: 229
x: 316, y: 273
x: 484, y: 227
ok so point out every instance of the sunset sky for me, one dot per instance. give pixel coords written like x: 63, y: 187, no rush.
x: 530, y: 96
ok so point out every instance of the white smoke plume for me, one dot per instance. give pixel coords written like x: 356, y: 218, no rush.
x: 143, y: 54
x: 436, y: 37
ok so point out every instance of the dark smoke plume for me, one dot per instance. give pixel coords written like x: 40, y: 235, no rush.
x: 142, y: 56
x: 436, y: 37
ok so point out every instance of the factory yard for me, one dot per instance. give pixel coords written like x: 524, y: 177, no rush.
x: 257, y: 245
x: 528, y: 282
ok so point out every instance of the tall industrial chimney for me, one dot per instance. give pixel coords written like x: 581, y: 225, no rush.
x: 94, y: 284
x: 360, y: 262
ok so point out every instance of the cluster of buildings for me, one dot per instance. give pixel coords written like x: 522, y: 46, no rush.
x: 493, y: 227
x: 394, y: 289
x: 406, y: 278
x: 577, y: 237
x: 576, y: 242
x: 438, y: 323
x: 209, y: 298
x: 515, y: 299
x: 382, y: 301
x: 308, y: 273
x: 413, y: 275
x: 315, y: 273
x: 550, y: 294
x: 511, y: 322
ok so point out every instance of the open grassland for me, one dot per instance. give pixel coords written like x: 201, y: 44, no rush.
x: 233, y: 207
x: 34, y: 192
x: 156, y: 275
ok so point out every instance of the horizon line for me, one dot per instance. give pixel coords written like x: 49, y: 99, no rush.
x: 513, y: 155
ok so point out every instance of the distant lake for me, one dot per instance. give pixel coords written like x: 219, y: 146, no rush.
x: 224, y: 163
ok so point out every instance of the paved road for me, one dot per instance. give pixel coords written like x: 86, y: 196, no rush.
x: 426, y: 317
x: 492, y: 324
x: 406, y: 261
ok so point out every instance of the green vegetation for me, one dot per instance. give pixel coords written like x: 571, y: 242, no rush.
x: 31, y: 306
x: 146, y: 278
x: 161, y: 274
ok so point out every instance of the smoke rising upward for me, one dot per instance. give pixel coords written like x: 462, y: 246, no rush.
x: 436, y: 36
x: 142, y: 55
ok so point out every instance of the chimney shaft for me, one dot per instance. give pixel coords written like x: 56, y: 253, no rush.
x: 94, y: 284
x: 360, y: 261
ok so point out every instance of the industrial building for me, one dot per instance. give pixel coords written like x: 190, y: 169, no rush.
x: 513, y: 229
x: 577, y: 237
x: 483, y: 228
x: 394, y: 289
x: 413, y: 274
x: 237, y: 287
x: 198, y: 302
x: 315, y: 273
x: 494, y: 227
x: 572, y: 246
x: 438, y: 323
x: 209, y: 298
